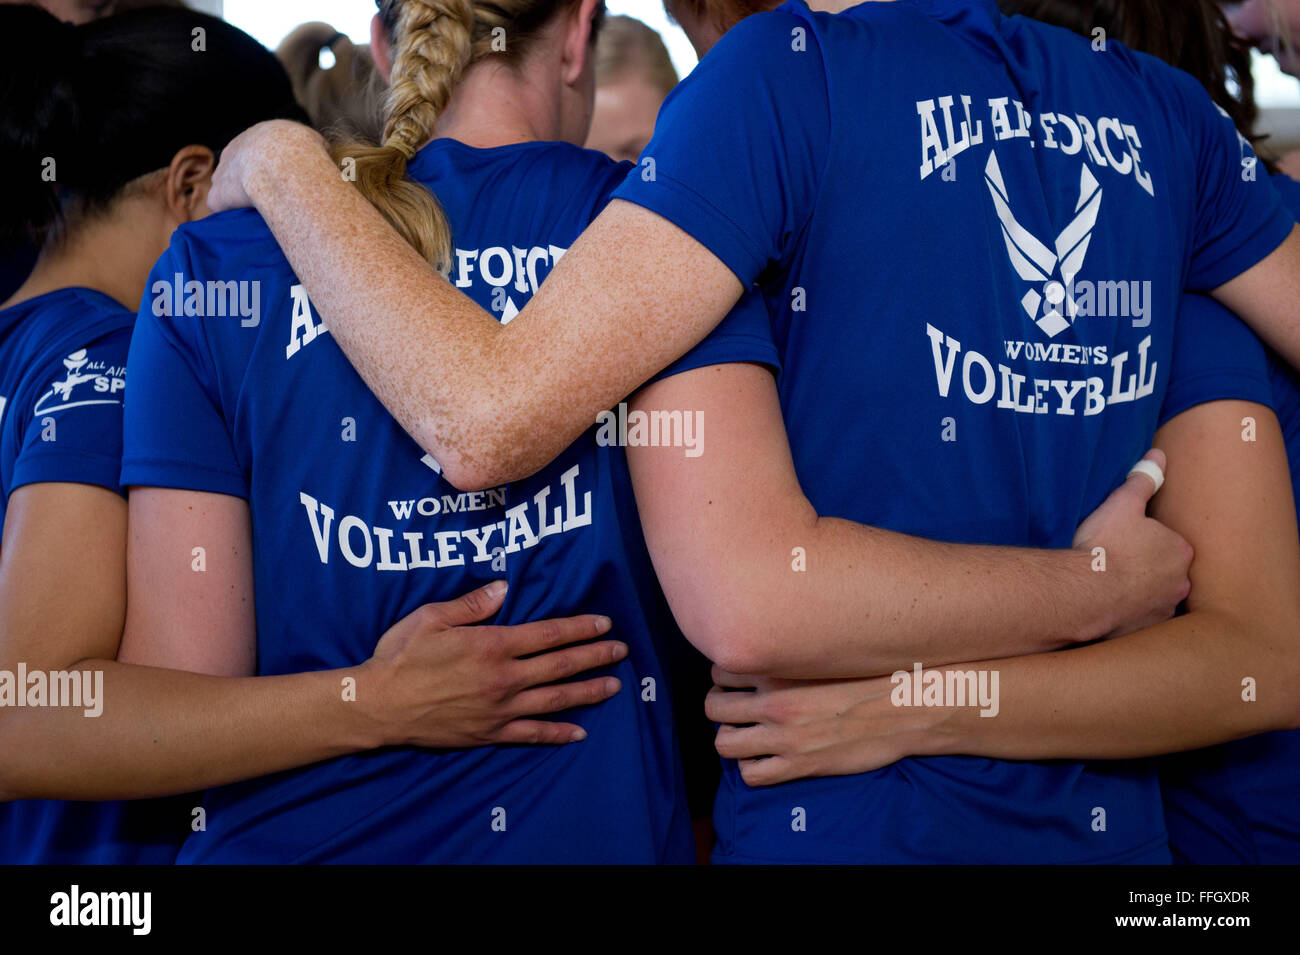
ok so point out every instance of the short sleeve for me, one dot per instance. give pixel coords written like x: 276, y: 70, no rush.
x: 745, y: 335
x: 74, y: 431
x: 1240, y: 218
x: 1216, y: 358
x: 741, y: 144
x: 175, y: 434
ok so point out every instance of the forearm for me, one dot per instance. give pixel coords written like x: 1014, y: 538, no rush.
x: 491, y: 403
x: 425, y: 350
x: 1180, y: 685
x: 871, y: 601
x: 166, y: 731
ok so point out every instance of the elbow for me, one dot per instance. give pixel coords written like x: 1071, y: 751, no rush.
x: 732, y: 639
x: 1282, y: 673
x: 490, y: 449
x: 479, y: 474
x: 464, y: 476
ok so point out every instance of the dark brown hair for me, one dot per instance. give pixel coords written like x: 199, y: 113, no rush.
x: 1192, y: 35
x: 723, y: 14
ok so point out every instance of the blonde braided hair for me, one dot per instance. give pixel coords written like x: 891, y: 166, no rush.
x: 434, y: 42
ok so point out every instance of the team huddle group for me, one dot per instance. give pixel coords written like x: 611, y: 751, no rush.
x: 359, y: 572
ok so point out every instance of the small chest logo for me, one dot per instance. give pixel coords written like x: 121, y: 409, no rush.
x: 87, y: 381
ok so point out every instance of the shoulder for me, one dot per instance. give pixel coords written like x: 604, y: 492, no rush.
x: 573, y: 178
x: 71, y: 362
x: 235, y: 235
x: 66, y: 330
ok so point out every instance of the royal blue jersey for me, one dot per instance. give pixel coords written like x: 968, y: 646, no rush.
x: 354, y: 528
x: 1239, y: 803
x: 62, y: 383
x: 973, y: 234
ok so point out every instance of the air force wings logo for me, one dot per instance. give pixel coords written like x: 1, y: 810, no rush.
x: 1035, y: 262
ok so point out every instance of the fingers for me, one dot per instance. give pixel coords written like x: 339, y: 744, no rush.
x: 563, y: 696
x: 730, y: 706
x: 770, y: 770
x: 744, y: 742
x: 735, y: 681
x: 562, y: 664
x: 478, y: 604
x: 540, y: 733
x: 1148, y: 475
x: 527, y: 638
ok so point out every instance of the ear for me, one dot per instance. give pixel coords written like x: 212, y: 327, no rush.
x: 578, y: 48
x: 189, y: 177
x: 380, y: 49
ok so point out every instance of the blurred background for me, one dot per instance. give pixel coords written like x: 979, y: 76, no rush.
x: 272, y: 20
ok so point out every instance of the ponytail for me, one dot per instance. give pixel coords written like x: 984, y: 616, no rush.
x: 434, y: 42
x: 433, y: 47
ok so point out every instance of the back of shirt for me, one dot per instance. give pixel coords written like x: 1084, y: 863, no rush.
x: 354, y: 528
x: 974, y: 236
x: 62, y: 384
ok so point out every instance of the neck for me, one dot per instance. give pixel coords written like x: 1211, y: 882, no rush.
x: 494, y: 105
x: 107, y: 255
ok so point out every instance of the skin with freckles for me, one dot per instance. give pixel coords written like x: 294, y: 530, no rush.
x: 632, y: 294
x: 192, y: 714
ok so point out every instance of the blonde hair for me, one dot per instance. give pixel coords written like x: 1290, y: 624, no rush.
x: 346, y: 100
x: 434, y: 42
x: 626, y: 46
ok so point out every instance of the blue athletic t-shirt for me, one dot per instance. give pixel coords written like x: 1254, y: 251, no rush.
x: 353, y: 528
x: 973, y: 234
x: 1239, y: 803
x: 62, y: 382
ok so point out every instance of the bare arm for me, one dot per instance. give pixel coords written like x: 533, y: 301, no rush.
x: 495, y: 403
x: 491, y: 403
x: 62, y: 605
x: 761, y: 583
x: 163, y: 731
x: 1267, y: 297
x: 1179, y: 685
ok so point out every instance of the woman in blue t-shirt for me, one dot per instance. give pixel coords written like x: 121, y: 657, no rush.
x: 960, y: 373
x: 336, y: 539
x: 1235, y: 803
x: 158, y: 114
x: 262, y: 443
